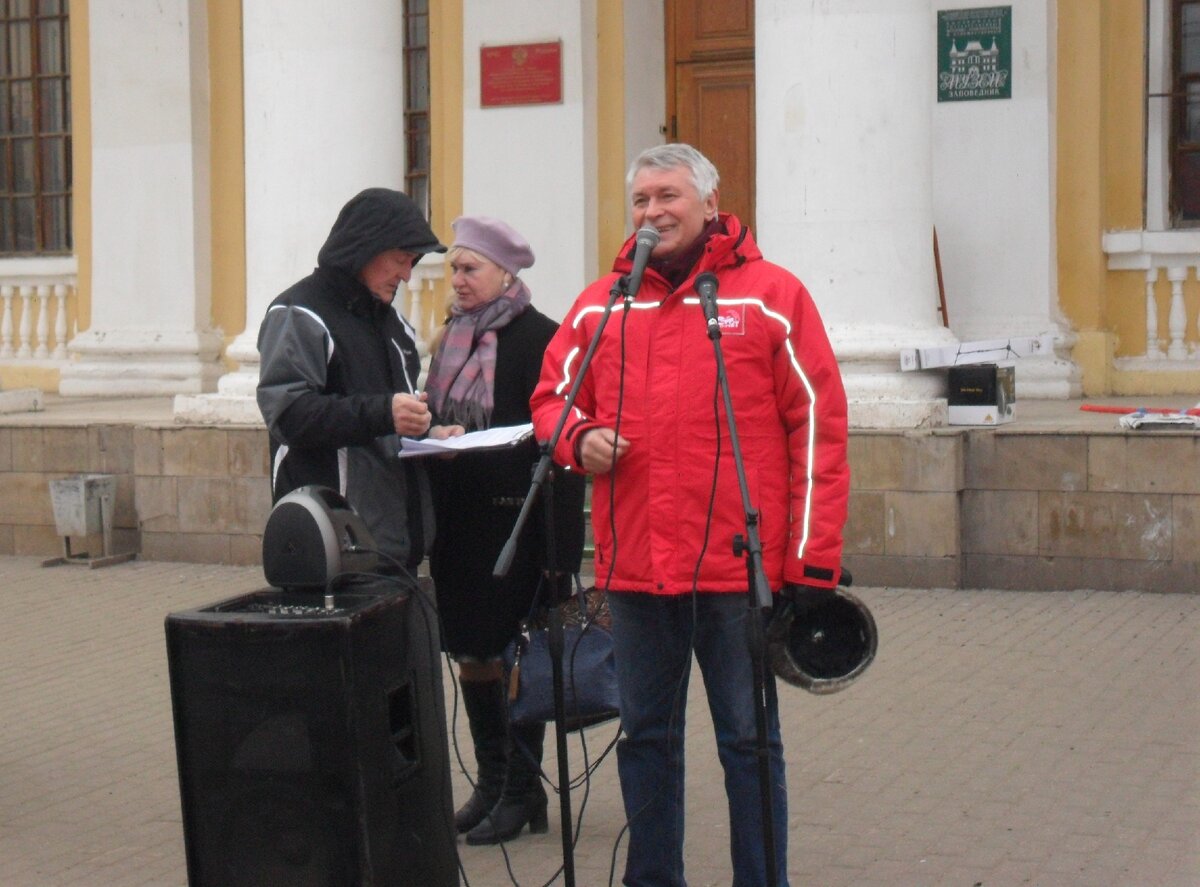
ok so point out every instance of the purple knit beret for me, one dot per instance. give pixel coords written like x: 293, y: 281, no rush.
x: 493, y: 239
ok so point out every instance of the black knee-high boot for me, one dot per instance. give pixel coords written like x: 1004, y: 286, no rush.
x: 487, y: 716
x: 523, y: 800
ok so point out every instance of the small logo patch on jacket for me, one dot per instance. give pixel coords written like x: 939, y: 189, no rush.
x: 732, y: 319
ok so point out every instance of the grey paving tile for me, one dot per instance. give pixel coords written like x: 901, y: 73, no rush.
x: 1044, y: 738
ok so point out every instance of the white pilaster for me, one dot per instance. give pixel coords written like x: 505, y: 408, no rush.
x: 535, y: 165
x: 150, y: 329
x: 994, y: 204
x: 844, y: 96
x: 324, y: 118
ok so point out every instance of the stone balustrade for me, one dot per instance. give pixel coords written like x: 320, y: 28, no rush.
x: 37, y: 309
x: 36, y: 303
x: 421, y: 306
x: 1175, y: 255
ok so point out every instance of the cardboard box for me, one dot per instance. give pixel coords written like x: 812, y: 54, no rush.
x: 985, y: 351
x: 981, y: 394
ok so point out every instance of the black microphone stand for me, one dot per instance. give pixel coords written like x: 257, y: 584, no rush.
x: 543, y: 476
x: 758, y: 594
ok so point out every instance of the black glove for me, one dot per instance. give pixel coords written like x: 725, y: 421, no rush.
x: 845, y: 580
x: 804, y: 598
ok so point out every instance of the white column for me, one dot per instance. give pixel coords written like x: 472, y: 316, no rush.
x: 844, y: 96
x: 151, y: 221
x: 993, y: 202
x: 324, y: 118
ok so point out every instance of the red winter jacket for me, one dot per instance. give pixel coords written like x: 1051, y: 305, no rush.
x: 653, y: 378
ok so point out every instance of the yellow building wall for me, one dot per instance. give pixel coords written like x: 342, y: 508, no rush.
x: 446, y: 132
x: 1123, y: 166
x: 81, y: 162
x: 446, y: 116
x: 1080, y: 173
x: 610, y: 135
x: 227, y: 184
x: 1123, y: 116
x: 1100, y: 171
x: 1101, y: 163
x: 1123, y: 140
x: 79, y: 309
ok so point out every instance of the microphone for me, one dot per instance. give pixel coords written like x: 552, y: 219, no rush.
x: 647, y: 240
x: 706, y: 288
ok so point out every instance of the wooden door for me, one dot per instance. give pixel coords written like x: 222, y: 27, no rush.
x: 710, y: 91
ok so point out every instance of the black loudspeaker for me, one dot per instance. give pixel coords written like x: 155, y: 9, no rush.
x: 311, y: 740
x: 313, y: 535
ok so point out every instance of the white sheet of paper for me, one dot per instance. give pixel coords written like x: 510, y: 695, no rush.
x: 489, y: 439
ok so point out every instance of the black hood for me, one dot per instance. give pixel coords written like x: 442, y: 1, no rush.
x: 372, y: 222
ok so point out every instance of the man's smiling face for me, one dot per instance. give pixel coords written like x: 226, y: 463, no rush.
x: 667, y: 200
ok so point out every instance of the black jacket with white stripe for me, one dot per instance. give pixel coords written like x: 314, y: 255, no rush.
x: 332, y: 356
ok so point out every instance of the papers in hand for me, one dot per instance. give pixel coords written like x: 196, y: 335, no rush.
x: 489, y: 439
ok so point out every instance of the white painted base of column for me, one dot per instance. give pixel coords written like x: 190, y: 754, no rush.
x: 216, y: 409
x: 898, y: 413
x: 21, y: 400
x: 141, y: 363
x: 879, y: 394
x: 242, y: 382
x: 235, y: 402
x: 1047, y: 378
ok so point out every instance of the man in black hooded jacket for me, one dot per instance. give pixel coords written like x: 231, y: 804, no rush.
x: 338, y: 375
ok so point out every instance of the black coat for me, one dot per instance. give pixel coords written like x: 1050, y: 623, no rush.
x: 477, y: 498
x: 332, y: 356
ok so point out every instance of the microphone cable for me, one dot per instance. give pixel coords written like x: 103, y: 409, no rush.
x: 589, y: 767
x: 584, y: 778
x: 428, y: 610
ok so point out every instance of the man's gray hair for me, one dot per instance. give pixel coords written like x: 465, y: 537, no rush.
x: 673, y: 156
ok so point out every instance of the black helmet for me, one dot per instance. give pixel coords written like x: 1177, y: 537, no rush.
x: 821, y: 640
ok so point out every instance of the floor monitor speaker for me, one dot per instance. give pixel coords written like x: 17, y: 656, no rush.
x: 311, y: 740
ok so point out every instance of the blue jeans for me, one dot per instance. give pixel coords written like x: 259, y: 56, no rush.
x: 653, y: 642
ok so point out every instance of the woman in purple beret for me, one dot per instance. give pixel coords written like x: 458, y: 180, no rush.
x: 483, y: 372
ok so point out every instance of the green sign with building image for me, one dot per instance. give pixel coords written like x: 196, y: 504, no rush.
x: 974, y: 54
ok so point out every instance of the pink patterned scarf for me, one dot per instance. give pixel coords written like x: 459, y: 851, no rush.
x: 462, y: 376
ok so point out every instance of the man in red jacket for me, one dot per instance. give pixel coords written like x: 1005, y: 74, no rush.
x: 649, y: 423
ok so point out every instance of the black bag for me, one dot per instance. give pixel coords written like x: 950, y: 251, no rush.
x: 589, y: 668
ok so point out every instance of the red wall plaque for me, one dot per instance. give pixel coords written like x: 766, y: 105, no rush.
x: 520, y: 74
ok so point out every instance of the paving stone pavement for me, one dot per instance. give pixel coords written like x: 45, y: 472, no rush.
x: 1000, y: 738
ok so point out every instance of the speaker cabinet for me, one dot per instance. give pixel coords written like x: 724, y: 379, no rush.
x: 311, y: 740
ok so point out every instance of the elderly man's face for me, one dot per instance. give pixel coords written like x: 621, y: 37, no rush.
x: 667, y: 200
x: 384, y: 273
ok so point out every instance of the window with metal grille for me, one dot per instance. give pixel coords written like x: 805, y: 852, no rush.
x: 416, y: 102
x: 1185, y: 117
x: 35, y: 128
